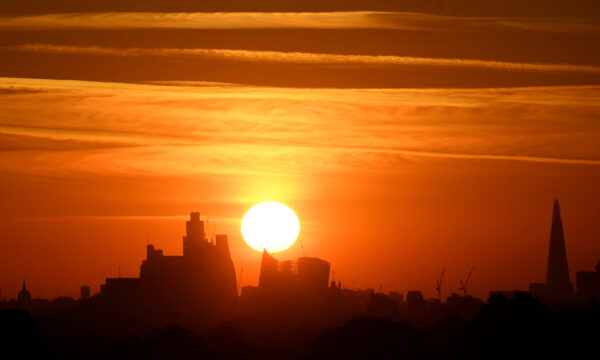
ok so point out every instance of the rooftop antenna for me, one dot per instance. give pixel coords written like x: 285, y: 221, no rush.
x: 438, y: 284
x: 463, y: 285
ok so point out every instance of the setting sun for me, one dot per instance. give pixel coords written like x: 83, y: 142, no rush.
x: 271, y: 226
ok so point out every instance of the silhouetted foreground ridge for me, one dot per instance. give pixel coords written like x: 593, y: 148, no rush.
x: 521, y: 327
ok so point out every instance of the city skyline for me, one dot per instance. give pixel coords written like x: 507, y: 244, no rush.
x: 556, y: 272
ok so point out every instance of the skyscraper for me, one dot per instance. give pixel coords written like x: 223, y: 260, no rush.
x: 198, y: 287
x: 558, y: 271
x: 588, y: 285
x: 558, y: 287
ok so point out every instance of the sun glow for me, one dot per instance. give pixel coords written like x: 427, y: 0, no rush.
x: 271, y: 226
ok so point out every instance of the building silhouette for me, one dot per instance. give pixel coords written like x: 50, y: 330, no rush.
x: 24, y: 297
x: 558, y: 287
x: 588, y: 285
x: 381, y: 305
x: 85, y: 292
x: 290, y: 290
x: 305, y: 275
x: 416, y: 306
x: 199, y: 286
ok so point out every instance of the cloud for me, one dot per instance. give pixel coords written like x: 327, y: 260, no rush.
x: 151, y: 130
x: 11, y: 140
x: 330, y: 20
x: 296, y: 20
x: 306, y: 58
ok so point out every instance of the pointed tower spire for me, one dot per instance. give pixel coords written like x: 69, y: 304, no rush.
x: 558, y: 270
x: 24, y: 296
x: 557, y: 275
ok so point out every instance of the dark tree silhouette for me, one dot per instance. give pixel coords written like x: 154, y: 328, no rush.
x: 370, y: 338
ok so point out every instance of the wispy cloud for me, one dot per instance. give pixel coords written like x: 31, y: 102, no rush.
x: 294, y: 20
x: 305, y: 58
x: 197, y: 131
x: 241, y: 20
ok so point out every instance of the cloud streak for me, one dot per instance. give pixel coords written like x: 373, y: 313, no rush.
x: 295, y: 20
x: 223, y: 21
x: 151, y: 130
x: 304, y: 58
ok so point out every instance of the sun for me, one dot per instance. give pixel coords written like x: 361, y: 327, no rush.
x: 271, y: 226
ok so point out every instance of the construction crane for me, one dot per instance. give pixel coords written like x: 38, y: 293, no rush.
x: 463, y: 284
x: 438, y: 284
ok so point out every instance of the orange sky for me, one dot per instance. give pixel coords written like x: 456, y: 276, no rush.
x: 406, y: 142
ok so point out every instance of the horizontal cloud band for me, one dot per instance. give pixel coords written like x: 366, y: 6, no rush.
x: 305, y: 58
x: 232, y: 126
x: 295, y: 20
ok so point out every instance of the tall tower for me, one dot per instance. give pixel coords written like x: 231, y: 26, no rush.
x: 195, y: 236
x: 558, y: 283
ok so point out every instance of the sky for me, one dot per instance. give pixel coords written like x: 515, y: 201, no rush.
x: 408, y: 136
